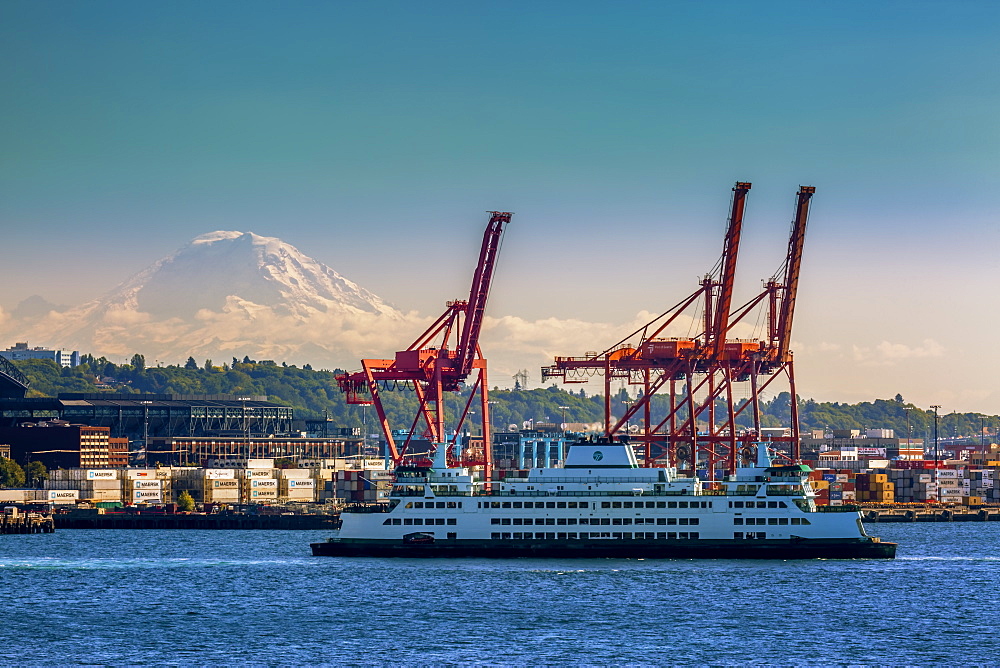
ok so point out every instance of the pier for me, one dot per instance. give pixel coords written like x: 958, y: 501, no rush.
x: 26, y: 523
x: 885, y: 515
x: 95, y: 519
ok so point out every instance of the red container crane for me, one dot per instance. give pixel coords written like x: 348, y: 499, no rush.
x: 439, y: 361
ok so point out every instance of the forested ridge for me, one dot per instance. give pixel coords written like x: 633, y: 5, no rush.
x: 314, y: 393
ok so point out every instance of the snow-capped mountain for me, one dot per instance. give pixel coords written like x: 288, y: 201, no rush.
x: 229, y: 293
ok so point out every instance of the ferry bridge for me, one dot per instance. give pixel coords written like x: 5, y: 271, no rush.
x: 13, y: 383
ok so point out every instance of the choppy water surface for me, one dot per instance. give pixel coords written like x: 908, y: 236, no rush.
x: 258, y: 597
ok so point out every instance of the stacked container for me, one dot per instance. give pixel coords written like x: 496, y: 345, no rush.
x: 297, y: 485
x: 875, y: 488
x: 221, y: 486
x: 260, y: 486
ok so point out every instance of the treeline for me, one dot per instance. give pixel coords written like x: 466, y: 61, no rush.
x: 315, y: 394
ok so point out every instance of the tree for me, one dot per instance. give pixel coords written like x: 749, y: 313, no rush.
x: 36, y: 473
x: 208, y: 365
x: 138, y: 362
x: 185, y: 502
x: 190, y: 364
x: 11, y: 474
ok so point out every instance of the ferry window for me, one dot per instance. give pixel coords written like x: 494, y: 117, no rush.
x: 671, y: 520
x: 683, y: 520
x: 661, y: 520
x: 571, y: 520
x: 682, y: 504
x: 560, y: 504
x: 505, y: 521
x: 671, y: 504
x: 388, y: 521
x: 738, y: 535
x: 452, y: 536
x: 584, y: 520
x: 671, y: 534
x: 738, y: 521
x: 694, y: 535
x: 451, y: 521
x: 762, y: 504
x: 695, y: 520
x: 627, y: 520
x: 562, y: 535
x: 495, y: 536
x: 782, y: 504
x: 452, y: 504
x: 651, y: 504
x: 737, y: 504
x: 616, y: 504
x: 661, y: 535
x: 805, y: 521
x: 782, y: 520
x: 627, y: 504
x: 418, y: 504
x: 418, y: 520
x: 495, y: 520
x: 772, y: 521
x: 572, y: 535
x: 571, y: 504
x: 584, y: 504
x: 550, y: 520
x: 616, y: 534
x: 517, y: 535
x: 605, y: 504
x: 409, y: 505
x: 518, y: 521
x: 505, y: 504
x: 616, y: 520
x: 795, y: 520
x: 459, y: 504
x: 397, y: 521
x: 517, y: 504
x: 439, y: 521
x: 550, y: 504
x: 407, y: 521
x: 772, y: 504
x: 561, y: 520
x: 661, y: 504
x: 604, y: 520
x: 494, y: 504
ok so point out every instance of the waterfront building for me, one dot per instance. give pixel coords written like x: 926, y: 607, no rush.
x: 21, y: 351
x: 58, y: 444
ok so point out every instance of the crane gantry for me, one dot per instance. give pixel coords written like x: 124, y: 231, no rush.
x: 439, y: 361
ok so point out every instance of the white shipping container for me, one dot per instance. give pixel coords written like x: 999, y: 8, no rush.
x: 63, y: 495
x: 225, y: 484
x: 101, y: 484
x: 220, y: 474
x: 104, y: 495
x: 147, y: 484
x: 295, y: 474
x: 260, y: 464
x: 17, y: 495
x: 948, y: 473
x: 147, y: 495
x: 103, y: 474
x: 140, y: 474
x: 263, y: 494
x: 264, y: 484
x: 259, y: 473
x: 301, y: 484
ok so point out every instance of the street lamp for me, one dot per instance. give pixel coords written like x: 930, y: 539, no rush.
x: 628, y: 423
x: 564, y: 409
x: 936, y: 477
x: 491, y: 404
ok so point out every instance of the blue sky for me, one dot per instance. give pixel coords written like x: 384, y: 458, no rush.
x: 373, y: 136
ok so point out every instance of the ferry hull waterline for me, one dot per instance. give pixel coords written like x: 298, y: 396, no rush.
x: 602, y: 504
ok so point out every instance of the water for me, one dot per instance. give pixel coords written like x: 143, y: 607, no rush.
x: 258, y: 597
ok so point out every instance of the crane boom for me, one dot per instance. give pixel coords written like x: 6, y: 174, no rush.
x: 480, y: 291
x: 793, y: 265
x: 730, y: 250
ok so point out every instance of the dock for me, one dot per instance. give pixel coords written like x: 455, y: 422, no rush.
x: 94, y: 519
x: 26, y: 523
x: 888, y: 515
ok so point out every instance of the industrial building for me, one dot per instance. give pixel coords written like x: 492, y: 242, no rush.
x: 58, y: 444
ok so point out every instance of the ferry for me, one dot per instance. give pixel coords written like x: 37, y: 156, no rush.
x: 601, y: 503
